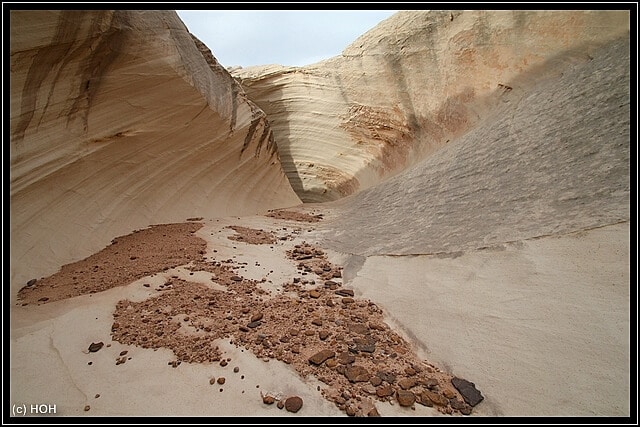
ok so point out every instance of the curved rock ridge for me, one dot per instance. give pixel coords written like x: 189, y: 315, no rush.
x: 409, y: 86
x: 555, y: 162
x: 119, y: 120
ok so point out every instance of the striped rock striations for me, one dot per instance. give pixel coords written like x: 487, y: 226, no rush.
x: 409, y: 86
x: 119, y: 120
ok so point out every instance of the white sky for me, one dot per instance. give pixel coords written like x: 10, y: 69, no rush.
x: 293, y: 38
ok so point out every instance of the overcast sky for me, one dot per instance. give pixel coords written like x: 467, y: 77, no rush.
x: 292, y: 38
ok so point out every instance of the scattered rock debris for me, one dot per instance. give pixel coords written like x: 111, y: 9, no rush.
x: 294, y: 216
x: 252, y: 236
x: 165, y: 246
x: 314, y: 324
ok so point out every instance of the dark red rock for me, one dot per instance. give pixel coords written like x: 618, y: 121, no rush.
x: 256, y: 317
x: 407, y: 383
x: 355, y: 374
x: 375, y: 381
x: 345, y: 358
x: 384, y: 391
x: 268, y: 400
x: 319, y: 358
x: 436, y: 398
x: 405, y: 398
x: 293, y: 404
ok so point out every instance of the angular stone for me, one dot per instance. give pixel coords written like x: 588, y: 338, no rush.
x: 95, y: 346
x: 373, y: 412
x: 384, y: 391
x: 448, y: 393
x: 344, y: 292
x: 293, y: 404
x: 346, y: 358
x: 356, y: 374
x: 268, y: 400
x: 324, y: 334
x: 331, y: 363
x: 468, y: 390
x: 368, y: 388
x: 348, y: 300
x: 422, y: 399
x: 457, y: 403
x: 436, y: 398
x: 405, y: 398
x: 319, y: 358
x: 386, y: 376
x: 407, y: 383
x: 375, y: 381
x: 410, y: 371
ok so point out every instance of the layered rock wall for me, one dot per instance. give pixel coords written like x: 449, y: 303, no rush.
x: 557, y: 162
x: 118, y: 121
x: 409, y: 86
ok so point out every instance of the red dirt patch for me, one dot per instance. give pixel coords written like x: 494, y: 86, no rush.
x: 252, y: 236
x: 126, y: 259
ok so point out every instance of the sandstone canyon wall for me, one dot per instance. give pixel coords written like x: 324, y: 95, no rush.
x: 556, y: 161
x: 118, y: 121
x: 411, y: 85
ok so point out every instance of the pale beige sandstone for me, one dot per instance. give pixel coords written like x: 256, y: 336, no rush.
x: 118, y: 121
x: 410, y: 85
x: 504, y: 256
